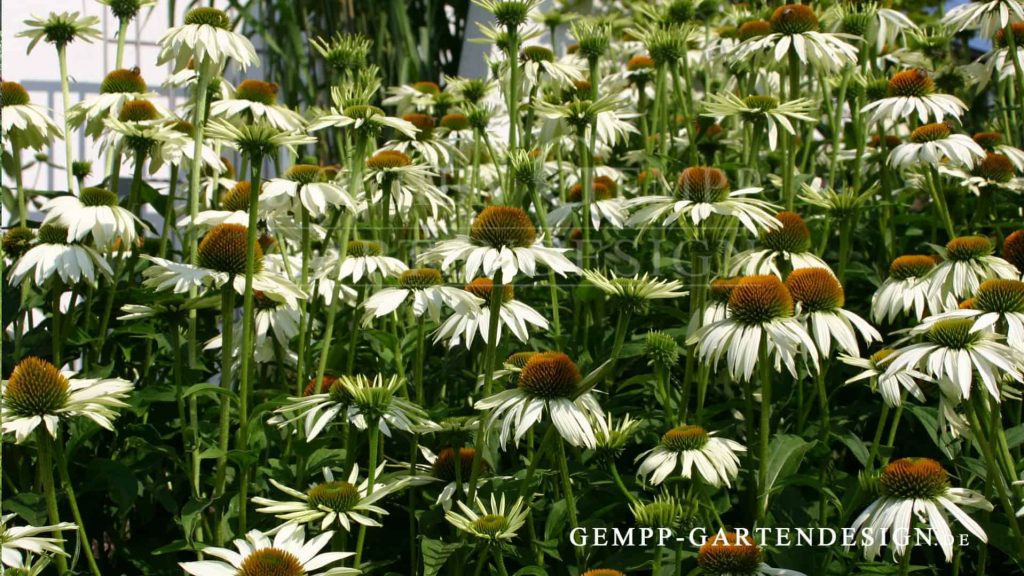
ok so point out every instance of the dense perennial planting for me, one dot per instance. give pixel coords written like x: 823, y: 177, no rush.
x: 727, y: 272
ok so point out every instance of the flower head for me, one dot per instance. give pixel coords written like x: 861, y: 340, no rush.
x: 288, y: 554
x: 495, y: 523
x: 61, y: 29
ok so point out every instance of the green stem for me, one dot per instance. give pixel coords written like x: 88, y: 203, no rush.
x: 499, y: 559
x: 371, y: 474
x: 227, y: 315
x: 622, y: 485
x: 939, y: 198
x: 764, y: 363
x: 248, y: 319
x: 198, y: 127
x: 122, y: 32
x: 62, y: 58
x: 490, y: 356
x: 44, y: 448
x: 974, y: 415
x: 570, y: 500
x: 69, y: 490
x: 22, y: 200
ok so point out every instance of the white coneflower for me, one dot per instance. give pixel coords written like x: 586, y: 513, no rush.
x: 997, y: 306
x: 222, y: 255
x: 913, y: 91
x: 539, y: 61
x: 701, y: 193
x: 994, y: 142
x: 794, y: 27
x: 15, y: 540
x: 360, y: 116
x: 607, y: 113
x: 256, y: 100
x: 756, y: 107
x: 427, y: 291
x: 989, y: 16
x: 471, y: 319
x: 288, y: 554
x: 606, y: 205
x: 636, y: 292
x: 820, y: 298
x: 917, y: 490
x: 307, y: 184
x: 342, y: 502
x: 233, y: 208
x: 38, y: 393
x: 495, y: 523
x: 274, y: 325
x: 966, y: 262
x: 952, y: 352
x: 934, y: 144
x: 427, y: 144
x: 689, y: 449
x: 94, y: 211
x: 760, y: 308
x: 24, y: 123
x: 906, y: 290
x: 717, y: 305
x: 733, y: 554
x: 258, y: 139
x: 54, y: 255
x: 404, y: 184
x: 117, y: 89
x: 890, y: 385
x: 61, y: 29
x: 358, y: 397
x: 789, y: 243
x: 206, y: 38
x: 500, y: 238
x: 364, y: 259
x: 549, y: 381
x: 447, y: 468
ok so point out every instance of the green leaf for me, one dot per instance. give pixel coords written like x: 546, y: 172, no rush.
x: 531, y: 571
x: 785, y: 453
x: 436, y: 553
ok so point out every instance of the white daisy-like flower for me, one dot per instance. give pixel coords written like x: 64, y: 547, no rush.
x: 735, y: 554
x: 716, y: 308
x: 94, y: 211
x: 891, y: 26
x: 306, y: 184
x: 775, y: 114
x: 342, y: 502
x: 400, y: 185
x: 142, y: 138
x: 473, y: 318
x: 607, y: 113
x: 820, y: 298
x: 989, y: 17
x: 957, y: 357
x: 495, y: 523
x: 635, y: 292
x: 222, y: 255
x: 15, y: 540
x: 53, y: 255
x: 446, y: 468
x: 934, y: 144
x: 994, y: 172
x: 890, y: 385
x: 425, y: 288
x: 787, y: 246
x: 288, y: 554
x: 233, y: 208
x: 420, y: 96
x: 256, y: 100
x: 24, y: 123
x: 997, y: 306
x: 117, y: 88
x: 549, y: 381
x: 539, y: 61
x: 967, y: 261
x: 913, y: 91
x: 38, y: 393
x: 275, y: 324
x: 906, y: 290
x: 690, y: 449
x: 256, y: 139
x: 993, y: 142
x: 917, y: 490
x: 353, y: 397
x: 500, y: 238
x: 702, y: 193
x: 605, y: 206
x: 428, y: 145
x: 359, y: 114
x: 364, y: 259
x: 206, y: 38
x: 760, y: 311
x: 794, y: 27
